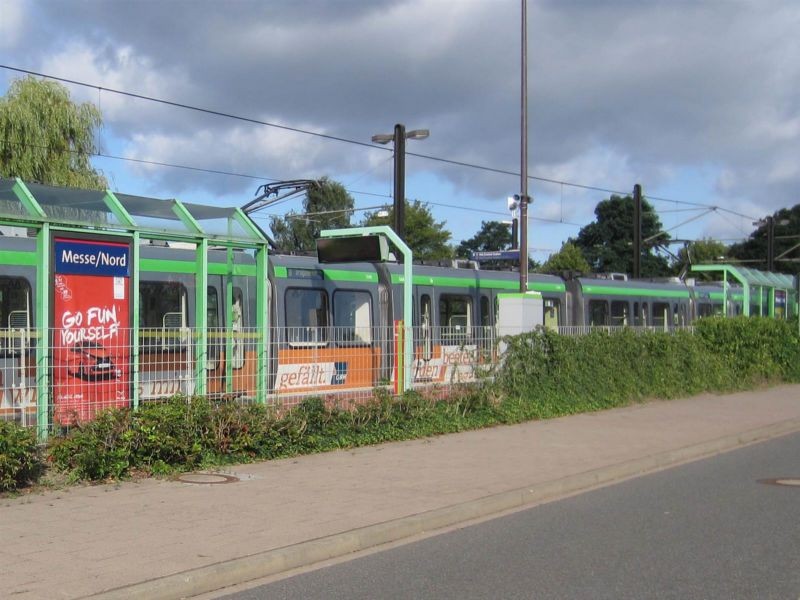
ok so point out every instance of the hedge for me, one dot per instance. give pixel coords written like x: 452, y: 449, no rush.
x: 542, y: 375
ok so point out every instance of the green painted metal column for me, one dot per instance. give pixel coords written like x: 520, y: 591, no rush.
x: 135, y: 325
x: 201, y: 317
x: 43, y: 277
x: 229, y: 322
x: 725, y: 293
x: 262, y: 305
x: 116, y: 207
x: 200, y: 336
x: 262, y: 325
x: 42, y: 321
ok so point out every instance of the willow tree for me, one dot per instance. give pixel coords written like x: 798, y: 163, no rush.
x: 46, y: 137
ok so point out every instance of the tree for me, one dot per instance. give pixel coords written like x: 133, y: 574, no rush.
x: 569, y: 258
x: 326, y: 206
x: 47, y: 138
x: 426, y: 238
x: 607, y: 243
x: 704, y: 251
x: 753, y: 251
x: 493, y: 235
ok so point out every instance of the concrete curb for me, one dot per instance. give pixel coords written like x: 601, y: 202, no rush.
x: 271, y: 562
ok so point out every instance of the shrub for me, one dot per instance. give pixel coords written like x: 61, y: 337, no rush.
x: 543, y: 375
x: 97, y: 449
x: 20, y: 461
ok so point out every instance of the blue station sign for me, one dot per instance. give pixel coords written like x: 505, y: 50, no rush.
x: 88, y: 257
x: 495, y: 255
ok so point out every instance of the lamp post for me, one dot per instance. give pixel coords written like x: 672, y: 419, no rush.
x: 524, y: 199
x: 399, y: 138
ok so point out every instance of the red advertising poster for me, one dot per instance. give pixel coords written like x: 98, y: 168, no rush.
x: 91, y: 328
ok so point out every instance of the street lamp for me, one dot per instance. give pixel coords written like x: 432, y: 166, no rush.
x: 399, y: 138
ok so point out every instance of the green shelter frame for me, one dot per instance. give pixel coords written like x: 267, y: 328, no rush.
x: 45, y: 211
x: 762, y: 284
x: 408, y: 341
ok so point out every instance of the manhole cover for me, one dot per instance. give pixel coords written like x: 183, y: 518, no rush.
x: 790, y: 481
x: 207, y: 478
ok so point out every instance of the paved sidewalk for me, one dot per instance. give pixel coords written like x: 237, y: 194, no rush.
x: 88, y: 540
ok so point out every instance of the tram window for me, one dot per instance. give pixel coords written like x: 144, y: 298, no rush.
x: 552, y: 307
x: 660, y: 314
x: 212, y: 307
x: 15, y: 293
x: 306, y: 316
x: 598, y: 312
x: 163, y: 309
x: 455, y: 315
x: 162, y: 304
x: 352, y: 316
x: 212, y: 323
x: 237, y: 322
x: 15, y: 312
x: 619, y: 313
x: 425, y: 324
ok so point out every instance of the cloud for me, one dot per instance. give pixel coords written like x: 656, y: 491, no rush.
x: 619, y: 92
x: 12, y: 23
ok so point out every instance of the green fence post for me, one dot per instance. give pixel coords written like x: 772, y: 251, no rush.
x: 43, y: 277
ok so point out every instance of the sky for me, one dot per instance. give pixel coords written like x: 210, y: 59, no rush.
x: 697, y: 101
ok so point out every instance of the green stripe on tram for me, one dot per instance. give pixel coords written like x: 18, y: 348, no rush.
x: 483, y: 283
x: 344, y: 275
x: 159, y: 265
x: 603, y: 290
x: 282, y: 272
x: 17, y: 257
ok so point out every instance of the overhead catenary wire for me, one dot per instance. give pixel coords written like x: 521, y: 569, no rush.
x: 262, y: 178
x: 255, y: 121
x: 170, y: 165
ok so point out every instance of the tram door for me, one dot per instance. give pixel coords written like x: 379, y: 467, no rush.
x: 423, y: 368
x: 385, y: 325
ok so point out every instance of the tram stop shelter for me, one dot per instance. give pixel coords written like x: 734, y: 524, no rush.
x: 118, y: 224
x: 765, y: 293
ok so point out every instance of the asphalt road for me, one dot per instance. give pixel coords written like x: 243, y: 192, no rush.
x: 708, y: 530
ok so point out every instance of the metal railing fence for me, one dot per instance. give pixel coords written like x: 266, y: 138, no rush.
x: 93, y: 370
